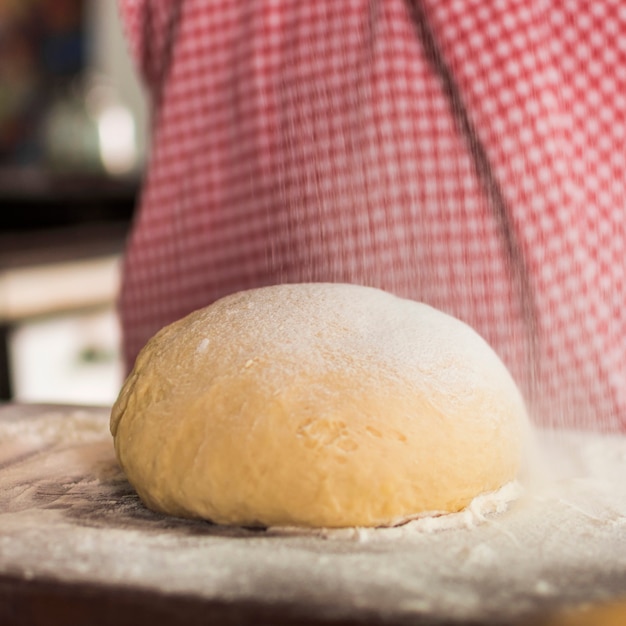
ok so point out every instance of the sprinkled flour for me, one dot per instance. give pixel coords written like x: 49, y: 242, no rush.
x: 67, y: 512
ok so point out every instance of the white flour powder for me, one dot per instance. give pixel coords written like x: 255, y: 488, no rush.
x: 66, y: 512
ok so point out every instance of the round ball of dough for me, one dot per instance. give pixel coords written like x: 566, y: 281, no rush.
x: 318, y: 405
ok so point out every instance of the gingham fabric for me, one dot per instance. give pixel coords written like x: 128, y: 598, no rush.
x: 468, y: 154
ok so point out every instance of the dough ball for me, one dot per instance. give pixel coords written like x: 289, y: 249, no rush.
x: 317, y: 405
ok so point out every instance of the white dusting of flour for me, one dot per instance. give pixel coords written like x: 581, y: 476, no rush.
x: 346, y: 328
x: 67, y: 513
x: 477, y: 512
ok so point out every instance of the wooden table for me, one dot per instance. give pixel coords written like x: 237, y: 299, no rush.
x: 78, y: 547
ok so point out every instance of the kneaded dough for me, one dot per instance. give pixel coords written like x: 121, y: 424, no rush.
x: 319, y: 405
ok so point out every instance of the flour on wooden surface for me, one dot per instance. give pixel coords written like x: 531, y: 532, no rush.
x: 66, y: 512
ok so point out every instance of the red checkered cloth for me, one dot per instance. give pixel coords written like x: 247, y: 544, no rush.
x: 468, y: 154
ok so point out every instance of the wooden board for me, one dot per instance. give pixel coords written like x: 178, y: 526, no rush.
x: 77, y: 546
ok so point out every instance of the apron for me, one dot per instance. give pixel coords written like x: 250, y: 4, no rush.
x: 466, y: 154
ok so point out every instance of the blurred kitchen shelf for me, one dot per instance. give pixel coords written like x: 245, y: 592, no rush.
x: 41, y: 184
x: 53, y: 281
x: 68, y: 359
x: 58, y: 270
x: 33, y: 198
x: 43, y: 246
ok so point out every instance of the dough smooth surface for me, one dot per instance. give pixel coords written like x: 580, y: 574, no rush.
x: 319, y: 405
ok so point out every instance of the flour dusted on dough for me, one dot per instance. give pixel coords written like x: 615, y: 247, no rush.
x: 317, y: 405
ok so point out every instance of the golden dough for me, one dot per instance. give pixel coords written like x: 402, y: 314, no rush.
x: 318, y: 405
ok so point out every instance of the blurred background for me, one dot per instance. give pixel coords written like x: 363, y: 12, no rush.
x: 72, y: 147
